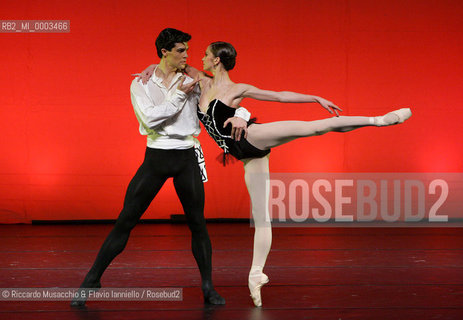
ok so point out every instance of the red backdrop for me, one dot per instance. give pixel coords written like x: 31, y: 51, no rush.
x: 69, y: 139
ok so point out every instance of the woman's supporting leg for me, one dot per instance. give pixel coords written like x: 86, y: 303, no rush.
x: 269, y: 135
x: 257, y: 181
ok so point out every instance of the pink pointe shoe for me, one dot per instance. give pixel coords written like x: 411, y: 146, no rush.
x: 254, y: 288
x: 394, y: 117
x: 403, y: 114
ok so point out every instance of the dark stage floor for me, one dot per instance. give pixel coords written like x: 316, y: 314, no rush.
x: 315, y: 273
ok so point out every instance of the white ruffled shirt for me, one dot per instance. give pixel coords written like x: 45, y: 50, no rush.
x: 167, y: 115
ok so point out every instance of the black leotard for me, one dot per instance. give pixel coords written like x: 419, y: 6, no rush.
x: 213, y: 120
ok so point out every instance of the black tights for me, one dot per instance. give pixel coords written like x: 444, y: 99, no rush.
x: 158, y: 166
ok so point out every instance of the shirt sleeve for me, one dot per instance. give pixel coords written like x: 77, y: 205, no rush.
x: 243, y: 113
x: 150, y: 114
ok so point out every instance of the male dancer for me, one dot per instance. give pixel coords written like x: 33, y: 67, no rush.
x: 166, y: 110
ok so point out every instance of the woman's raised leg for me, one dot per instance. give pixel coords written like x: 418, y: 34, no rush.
x: 269, y: 135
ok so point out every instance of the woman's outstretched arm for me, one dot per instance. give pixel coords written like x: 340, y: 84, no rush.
x: 248, y: 91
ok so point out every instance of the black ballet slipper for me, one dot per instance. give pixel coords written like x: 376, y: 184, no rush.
x: 82, y: 294
x: 212, y: 297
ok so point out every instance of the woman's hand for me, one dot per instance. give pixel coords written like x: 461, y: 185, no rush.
x: 146, y: 74
x: 239, y: 126
x: 328, y: 105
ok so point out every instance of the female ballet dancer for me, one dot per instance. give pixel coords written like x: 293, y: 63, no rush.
x: 220, y: 96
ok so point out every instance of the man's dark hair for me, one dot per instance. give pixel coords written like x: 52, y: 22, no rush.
x: 168, y: 38
x: 226, y: 52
